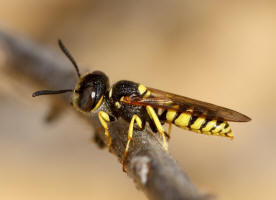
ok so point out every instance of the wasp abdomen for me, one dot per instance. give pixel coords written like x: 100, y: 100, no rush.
x: 198, y: 124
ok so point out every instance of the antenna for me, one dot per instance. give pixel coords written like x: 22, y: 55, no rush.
x: 47, y: 92
x: 50, y: 92
x: 69, y: 56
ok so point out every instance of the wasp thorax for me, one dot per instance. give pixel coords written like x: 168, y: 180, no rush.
x: 90, y: 90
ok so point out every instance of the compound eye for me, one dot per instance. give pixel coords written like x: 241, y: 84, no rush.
x: 87, y: 99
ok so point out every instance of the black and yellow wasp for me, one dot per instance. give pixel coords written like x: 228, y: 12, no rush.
x: 140, y: 105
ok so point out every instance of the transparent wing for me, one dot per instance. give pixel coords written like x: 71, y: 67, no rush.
x: 161, y: 99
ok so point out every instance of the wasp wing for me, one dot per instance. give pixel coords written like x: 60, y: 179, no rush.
x: 161, y: 99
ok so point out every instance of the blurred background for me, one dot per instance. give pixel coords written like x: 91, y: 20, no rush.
x: 221, y: 52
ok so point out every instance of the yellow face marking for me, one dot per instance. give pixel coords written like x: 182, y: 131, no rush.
x: 183, y: 119
x: 122, y: 98
x: 170, y: 115
x: 142, y: 89
x: 117, y: 104
x: 98, y: 104
x: 209, y: 125
x: 219, y: 128
x: 198, y: 122
x: 110, y: 92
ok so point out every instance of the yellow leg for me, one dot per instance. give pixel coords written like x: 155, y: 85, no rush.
x: 158, y: 125
x: 130, y: 133
x: 104, y: 118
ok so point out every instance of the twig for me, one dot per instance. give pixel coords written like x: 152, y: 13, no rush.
x: 153, y: 169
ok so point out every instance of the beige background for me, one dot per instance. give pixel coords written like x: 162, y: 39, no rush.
x: 222, y: 52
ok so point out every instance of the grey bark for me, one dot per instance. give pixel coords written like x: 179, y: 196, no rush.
x: 152, y: 169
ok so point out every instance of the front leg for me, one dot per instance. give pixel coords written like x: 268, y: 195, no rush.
x: 97, y: 139
x: 104, y: 118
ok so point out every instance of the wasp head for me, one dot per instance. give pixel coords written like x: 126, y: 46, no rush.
x: 89, y: 91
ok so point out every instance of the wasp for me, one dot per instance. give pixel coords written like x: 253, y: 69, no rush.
x: 140, y: 105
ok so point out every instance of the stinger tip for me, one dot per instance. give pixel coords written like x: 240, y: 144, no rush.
x: 230, y: 135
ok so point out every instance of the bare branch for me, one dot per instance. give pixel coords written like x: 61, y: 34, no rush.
x: 152, y: 169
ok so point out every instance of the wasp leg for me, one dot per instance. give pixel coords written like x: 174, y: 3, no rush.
x: 169, y: 130
x: 96, y: 138
x: 158, y: 125
x: 104, y: 118
x: 130, y: 133
x: 55, y: 111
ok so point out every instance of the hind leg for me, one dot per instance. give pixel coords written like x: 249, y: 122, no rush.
x: 158, y: 125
